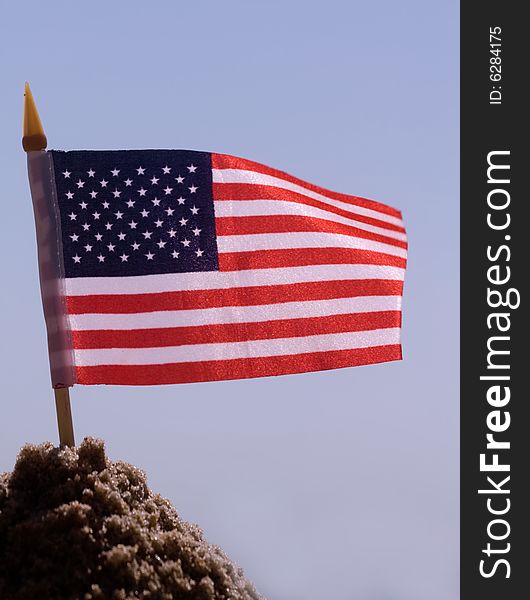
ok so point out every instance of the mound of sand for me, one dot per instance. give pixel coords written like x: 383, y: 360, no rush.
x: 74, y: 524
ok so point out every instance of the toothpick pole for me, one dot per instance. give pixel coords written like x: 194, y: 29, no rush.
x: 33, y: 137
x: 34, y: 140
x: 64, y: 416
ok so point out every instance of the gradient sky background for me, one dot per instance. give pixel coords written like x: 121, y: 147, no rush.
x: 339, y: 485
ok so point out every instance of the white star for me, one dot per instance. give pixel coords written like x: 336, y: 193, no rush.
x: 194, y: 210
x: 128, y: 182
x: 159, y: 223
x: 144, y: 213
x: 80, y: 184
x: 192, y: 168
x: 111, y: 247
x: 154, y: 180
x: 121, y: 236
x: 179, y: 179
x: 103, y: 183
x: 193, y: 189
x: 196, y: 231
x: 67, y: 174
x: 199, y: 252
x: 77, y: 259
x: 72, y: 216
x: 124, y: 257
x: 156, y: 202
x: 119, y: 215
x: 88, y: 248
x: 105, y: 204
x: 172, y: 232
x: 168, y: 190
x: 183, y: 221
x: 175, y: 254
x: 169, y: 211
x: 133, y: 224
x: 149, y: 256
x: 116, y: 194
x: 130, y: 203
x: 140, y: 170
x: 166, y: 170
x: 108, y: 226
x: 147, y: 235
x: 161, y: 244
x: 142, y: 192
x: 93, y: 194
x: 101, y: 258
x: 86, y: 227
x: 98, y: 237
x: 185, y: 243
x: 115, y: 172
x: 181, y: 200
x: 69, y: 195
x: 83, y: 205
x: 135, y: 246
x: 96, y: 215
x: 91, y: 173
x: 74, y: 237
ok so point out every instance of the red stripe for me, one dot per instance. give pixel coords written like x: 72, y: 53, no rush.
x: 289, y: 223
x: 243, y: 296
x: 225, y: 161
x: 235, y: 369
x: 299, y: 257
x: 235, y: 332
x: 246, y: 191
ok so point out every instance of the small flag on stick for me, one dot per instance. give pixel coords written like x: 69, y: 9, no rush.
x: 176, y: 266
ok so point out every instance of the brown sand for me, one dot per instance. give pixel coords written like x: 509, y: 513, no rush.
x: 73, y: 524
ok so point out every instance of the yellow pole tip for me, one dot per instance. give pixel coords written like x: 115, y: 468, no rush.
x: 33, y: 138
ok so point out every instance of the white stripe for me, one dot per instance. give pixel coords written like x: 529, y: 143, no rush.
x: 212, y: 280
x: 252, y: 177
x: 226, y: 351
x: 235, y: 314
x: 251, y: 208
x: 272, y: 241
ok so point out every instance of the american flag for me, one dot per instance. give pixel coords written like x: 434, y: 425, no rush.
x: 176, y: 266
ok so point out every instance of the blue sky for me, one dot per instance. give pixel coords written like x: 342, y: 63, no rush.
x: 341, y: 484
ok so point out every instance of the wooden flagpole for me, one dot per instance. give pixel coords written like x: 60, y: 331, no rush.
x: 34, y: 140
x: 64, y: 416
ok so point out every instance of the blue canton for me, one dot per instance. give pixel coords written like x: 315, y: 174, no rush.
x: 135, y: 212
